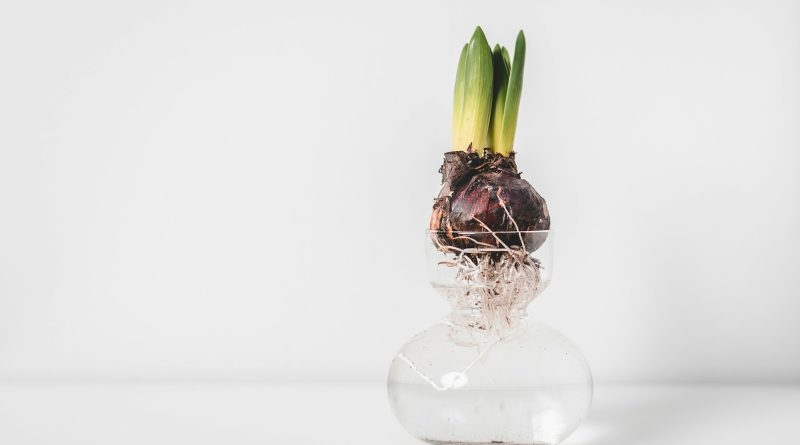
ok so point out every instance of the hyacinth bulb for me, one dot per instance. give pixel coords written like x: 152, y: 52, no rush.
x: 486, y: 194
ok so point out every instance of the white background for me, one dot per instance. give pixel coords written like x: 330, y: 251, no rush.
x: 194, y: 190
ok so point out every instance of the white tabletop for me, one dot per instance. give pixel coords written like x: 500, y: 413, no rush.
x: 250, y: 413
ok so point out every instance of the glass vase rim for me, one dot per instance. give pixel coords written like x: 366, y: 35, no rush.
x: 484, y: 232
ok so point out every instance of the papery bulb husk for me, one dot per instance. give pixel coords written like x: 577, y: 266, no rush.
x: 487, y: 195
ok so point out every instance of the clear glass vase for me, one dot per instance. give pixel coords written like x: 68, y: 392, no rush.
x: 486, y: 374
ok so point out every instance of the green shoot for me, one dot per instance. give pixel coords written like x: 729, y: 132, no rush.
x: 504, y: 144
x: 458, y: 97
x: 487, y: 95
x: 472, y: 105
x: 501, y: 71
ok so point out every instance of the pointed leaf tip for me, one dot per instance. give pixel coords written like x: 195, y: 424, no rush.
x: 479, y: 36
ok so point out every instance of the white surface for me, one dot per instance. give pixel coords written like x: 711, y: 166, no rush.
x: 179, y: 195
x: 357, y: 414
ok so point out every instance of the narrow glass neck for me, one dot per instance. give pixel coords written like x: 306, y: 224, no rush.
x: 482, y: 311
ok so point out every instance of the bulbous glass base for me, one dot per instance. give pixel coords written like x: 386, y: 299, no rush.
x: 455, y: 384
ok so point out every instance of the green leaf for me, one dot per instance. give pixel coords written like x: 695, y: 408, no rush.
x: 477, y: 104
x: 458, y: 96
x: 501, y: 72
x: 511, y: 110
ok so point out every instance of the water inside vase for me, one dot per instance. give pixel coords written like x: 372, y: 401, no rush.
x: 541, y: 415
